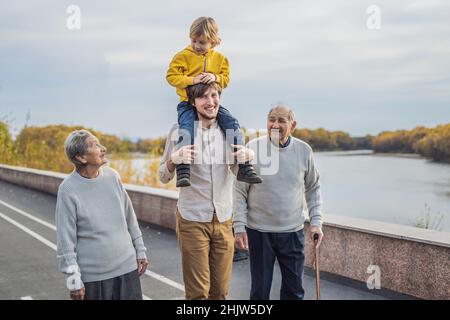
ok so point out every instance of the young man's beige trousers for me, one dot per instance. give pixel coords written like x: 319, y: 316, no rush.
x: 207, y: 257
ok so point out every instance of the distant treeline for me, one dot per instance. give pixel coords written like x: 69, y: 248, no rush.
x: 432, y: 143
x: 42, y: 147
x: 323, y: 140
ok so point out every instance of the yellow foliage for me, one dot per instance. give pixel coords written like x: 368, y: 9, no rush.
x: 43, y: 148
x: 432, y: 143
x: 147, y: 177
x: 7, y: 154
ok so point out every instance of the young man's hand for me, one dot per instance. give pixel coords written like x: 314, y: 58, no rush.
x: 243, y: 154
x: 185, y: 154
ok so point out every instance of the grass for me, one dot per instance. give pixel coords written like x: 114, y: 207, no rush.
x: 428, y: 219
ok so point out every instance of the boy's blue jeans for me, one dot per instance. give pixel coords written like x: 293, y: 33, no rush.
x: 289, y: 249
x: 187, y: 115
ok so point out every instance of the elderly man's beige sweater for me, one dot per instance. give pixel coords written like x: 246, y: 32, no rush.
x: 278, y: 204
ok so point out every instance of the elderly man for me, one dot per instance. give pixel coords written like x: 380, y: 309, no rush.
x: 269, y: 219
x: 99, y: 242
x: 204, y: 227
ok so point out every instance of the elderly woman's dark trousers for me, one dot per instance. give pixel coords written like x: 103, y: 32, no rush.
x: 124, y: 287
x: 288, y: 249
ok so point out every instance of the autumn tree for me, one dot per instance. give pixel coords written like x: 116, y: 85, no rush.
x: 6, y: 144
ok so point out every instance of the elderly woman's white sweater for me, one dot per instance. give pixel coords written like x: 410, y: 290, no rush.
x: 97, y: 229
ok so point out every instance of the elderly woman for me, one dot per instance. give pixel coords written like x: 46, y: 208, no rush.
x: 99, y: 242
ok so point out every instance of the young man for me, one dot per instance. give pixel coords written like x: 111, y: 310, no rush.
x: 204, y: 226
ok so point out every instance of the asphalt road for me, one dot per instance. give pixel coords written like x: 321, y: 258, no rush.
x: 28, y: 265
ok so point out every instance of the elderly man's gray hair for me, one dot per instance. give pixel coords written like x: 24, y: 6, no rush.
x: 75, y: 145
x: 291, y: 114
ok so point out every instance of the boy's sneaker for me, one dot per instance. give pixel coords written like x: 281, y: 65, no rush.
x: 183, y: 175
x: 248, y: 174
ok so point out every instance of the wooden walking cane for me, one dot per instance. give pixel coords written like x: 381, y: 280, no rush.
x: 317, y: 265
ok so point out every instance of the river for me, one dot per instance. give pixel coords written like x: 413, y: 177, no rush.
x: 399, y: 189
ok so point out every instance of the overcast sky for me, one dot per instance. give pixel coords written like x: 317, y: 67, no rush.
x: 319, y: 57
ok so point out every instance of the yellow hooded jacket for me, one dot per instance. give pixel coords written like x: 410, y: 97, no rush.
x: 186, y: 64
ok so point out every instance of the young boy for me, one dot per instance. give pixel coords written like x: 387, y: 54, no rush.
x: 199, y: 63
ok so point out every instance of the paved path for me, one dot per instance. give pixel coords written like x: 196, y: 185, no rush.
x: 28, y: 266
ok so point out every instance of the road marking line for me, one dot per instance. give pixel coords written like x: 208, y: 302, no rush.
x: 165, y: 280
x: 31, y: 233
x: 47, y: 243
x: 26, y: 298
x: 49, y: 225
x: 149, y: 273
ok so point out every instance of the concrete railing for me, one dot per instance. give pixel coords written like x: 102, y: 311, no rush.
x: 408, y: 260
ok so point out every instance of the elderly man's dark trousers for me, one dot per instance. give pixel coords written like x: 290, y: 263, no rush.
x: 288, y: 249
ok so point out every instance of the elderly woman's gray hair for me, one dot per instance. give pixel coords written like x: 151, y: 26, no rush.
x: 75, y: 145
